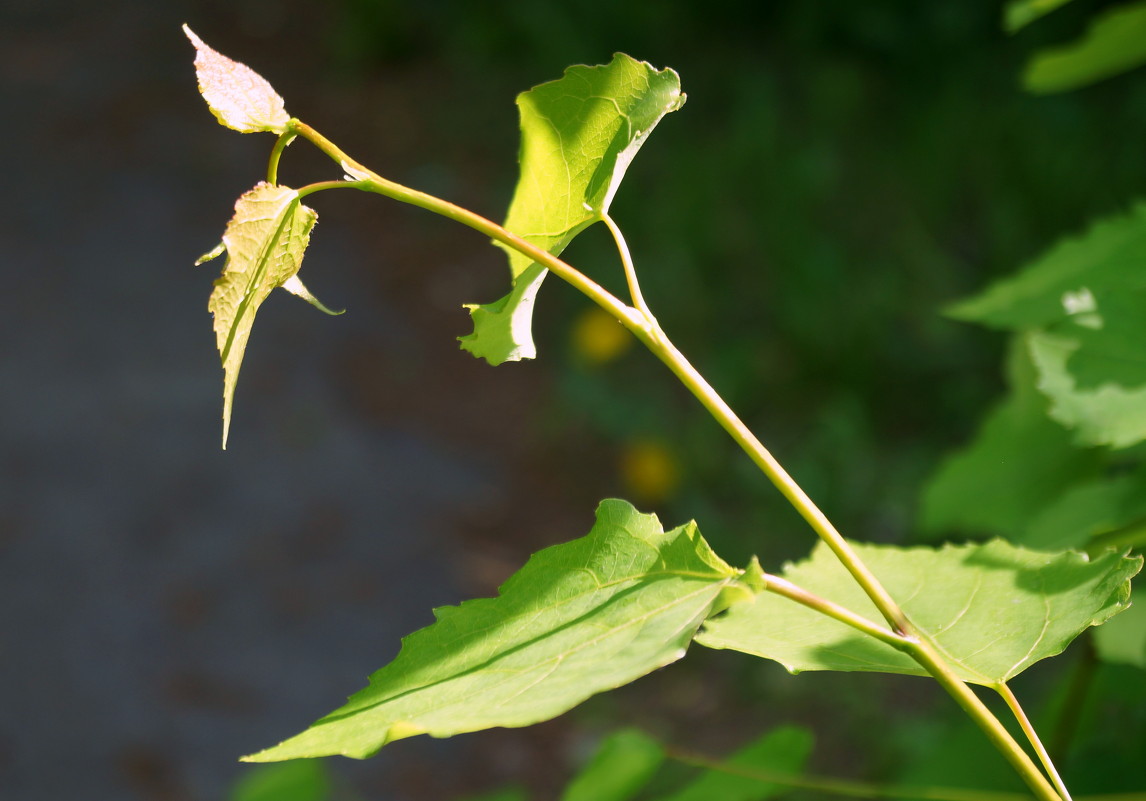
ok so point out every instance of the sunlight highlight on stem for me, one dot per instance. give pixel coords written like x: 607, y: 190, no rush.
x: 1033, y: 737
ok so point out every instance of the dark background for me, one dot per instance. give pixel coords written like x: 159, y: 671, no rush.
x: 840, y: 172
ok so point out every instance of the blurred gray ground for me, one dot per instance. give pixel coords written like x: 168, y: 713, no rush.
x: 166, y: 606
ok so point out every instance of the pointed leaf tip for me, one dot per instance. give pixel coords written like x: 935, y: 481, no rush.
x: 239, y: 97
x: 265, y: 242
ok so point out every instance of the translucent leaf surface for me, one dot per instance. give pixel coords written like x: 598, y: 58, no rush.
x: 783, y: 751
x: 1020, y: 13
x: 265, y: 242
x: 1001, y: 480
x: 577, y: 619
x: 238, y: 96
x: 624, y: 763
x: 1110, y: 257
x: 1114, y: 43
x: 991, y: 609
x: 578, y: 136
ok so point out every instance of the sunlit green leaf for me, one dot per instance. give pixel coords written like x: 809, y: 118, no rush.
x: 238, y: 96
x: 577, y: 619
x: 265, y: 242
x: 782, y: 751
x: 1020, y: 13
x: 1018, y: 459
x: 578, y: 136
x: 299, y: 780
x: 1123, y: 639
x: 624, y: 763
x: 1063, y: 282
x: 991, y: 609
x: 1114, y: 43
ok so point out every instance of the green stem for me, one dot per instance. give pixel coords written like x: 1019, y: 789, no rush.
x: 645, y: 328
x: 1077, y: 688
x: 783, y: 587
x: 1032, y: 737
x: 285, y: 138
x: 627, y: 264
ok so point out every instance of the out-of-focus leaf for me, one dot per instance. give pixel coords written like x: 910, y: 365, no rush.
x: 622, y: 766
x: 1123, y: 639
x: 1087, y: 510
x: 1020, y: 13
x: 265, y: 242
x: 578, y: 136
x: 1111, y: 415
x: 1114, y: 43
x: 1109, y: 257
x: 1018, y: 459
x: 299, y: 780
x: 783, y: 751
x: 238, y: 96
x: 992, y: 609
x: 579, y: 618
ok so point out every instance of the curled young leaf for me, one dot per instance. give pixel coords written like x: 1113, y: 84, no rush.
x: 578, y: 136
x: 238, y: 96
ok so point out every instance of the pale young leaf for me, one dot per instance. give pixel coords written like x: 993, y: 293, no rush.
x: 238, y: 96
x: 265, y: 242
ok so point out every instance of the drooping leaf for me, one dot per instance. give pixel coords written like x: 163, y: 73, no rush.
x: 1123, y: 640
x: 1000, y: 481
x: 1109, y: 258
x: 300, y: 780
x: 265, y: 242
x: 238, y: 96
x: 782, y: 751
x: 577, y: 619
x: 1114, y: 43
x: 623, y: 764
x: 1112, y: 414
x: 1020, y: 13
x: 992, y: 609
x: 578, y: 137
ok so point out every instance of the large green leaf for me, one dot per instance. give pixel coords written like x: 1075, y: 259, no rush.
x: 1017, y: 460
x: 1063, y: 282
x: 1114, y: 43
x: 577, y: 619
x: 300, y: 780
x: 992, y: 609
x: 623, y: 764
x: 782, y: 752
x: 238, y: 96
x: 578, y: 136
x: 265, y: 242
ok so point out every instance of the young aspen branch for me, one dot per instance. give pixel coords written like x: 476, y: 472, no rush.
x: 627, y: 263
x: 645, y: 328
x: 284, y: 139
x: 1024, y: 722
